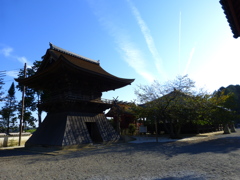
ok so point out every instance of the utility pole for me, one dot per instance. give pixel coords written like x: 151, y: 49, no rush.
x: 2, y: 74
x: 22, y: 114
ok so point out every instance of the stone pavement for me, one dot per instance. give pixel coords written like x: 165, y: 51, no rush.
x: 164, y: 138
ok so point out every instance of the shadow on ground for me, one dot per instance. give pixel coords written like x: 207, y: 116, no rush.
x: 189, y: 177
x: 217, y: 144
x: 23, y: 151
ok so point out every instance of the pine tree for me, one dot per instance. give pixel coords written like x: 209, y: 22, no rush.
x: 8, y: 116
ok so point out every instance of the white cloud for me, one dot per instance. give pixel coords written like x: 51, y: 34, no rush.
x: 6, y: 51
x: 24, y: 60
x: 134, y: 58
x: 148, y: 38
x: 130, y: 53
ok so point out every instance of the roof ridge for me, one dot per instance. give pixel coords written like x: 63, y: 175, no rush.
x: 54, y: 47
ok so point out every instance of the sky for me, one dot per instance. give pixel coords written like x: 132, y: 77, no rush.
x: 135, y: 39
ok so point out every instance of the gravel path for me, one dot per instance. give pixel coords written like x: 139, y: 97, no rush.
x: 214, y: 158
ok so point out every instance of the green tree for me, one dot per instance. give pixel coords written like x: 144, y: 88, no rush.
x: 167, y: 103
x: 132, y: 128
x: 234, y: 102
x: 224, y: 111
x: 8, y: 110
x: 177, y: 102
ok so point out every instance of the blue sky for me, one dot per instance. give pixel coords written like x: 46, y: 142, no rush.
x: 145, y: 40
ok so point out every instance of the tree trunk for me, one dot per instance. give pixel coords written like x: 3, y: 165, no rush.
x: 118, y: 125
x: 156, y: 128
x: 175, y: 131
x: 8, y: 124
x: 165, y: 126
x: 178, y: 131
x: 39, y: 117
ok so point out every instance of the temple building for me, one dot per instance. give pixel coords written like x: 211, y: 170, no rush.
x: 232, y: 11
x: 122, y: 114
x: 73, y: 87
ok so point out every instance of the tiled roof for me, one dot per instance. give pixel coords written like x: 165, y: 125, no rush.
x: 71, y: 53
x: 82, y: 63
x: 232, y: 11
x: 58, y: 61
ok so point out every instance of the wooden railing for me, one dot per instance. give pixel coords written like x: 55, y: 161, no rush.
x: 71, y: 97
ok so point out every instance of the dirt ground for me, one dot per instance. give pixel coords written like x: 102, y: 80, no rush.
x: 212, y: 158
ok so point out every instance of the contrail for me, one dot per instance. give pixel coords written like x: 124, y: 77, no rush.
x: 134, y: 58
x: 189, y: 60
x: 128, y: 50
x: 148, y: 38
x: 179, y: 40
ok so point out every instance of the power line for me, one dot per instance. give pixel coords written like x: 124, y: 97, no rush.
x: 10, y: 70
x: 2, y: 74
x: 8, y: 80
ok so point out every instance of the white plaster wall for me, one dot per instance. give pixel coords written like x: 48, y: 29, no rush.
x: 12, y: 140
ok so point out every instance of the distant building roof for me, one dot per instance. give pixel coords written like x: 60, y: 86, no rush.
x: 124, y: 108
x: 232, y: 11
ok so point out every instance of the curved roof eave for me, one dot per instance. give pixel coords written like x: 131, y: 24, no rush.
x: 231, y: 10
x: 30, y: 81
x: 63, y: 62
x: 104, y: 73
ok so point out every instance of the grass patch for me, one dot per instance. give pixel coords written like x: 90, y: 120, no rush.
x: 31, y: 130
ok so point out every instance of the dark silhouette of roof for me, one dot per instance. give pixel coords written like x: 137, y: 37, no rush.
x: 232, y: 11
x: 58, y: 61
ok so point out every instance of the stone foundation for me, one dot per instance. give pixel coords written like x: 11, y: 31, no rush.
x: 73, y: 129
